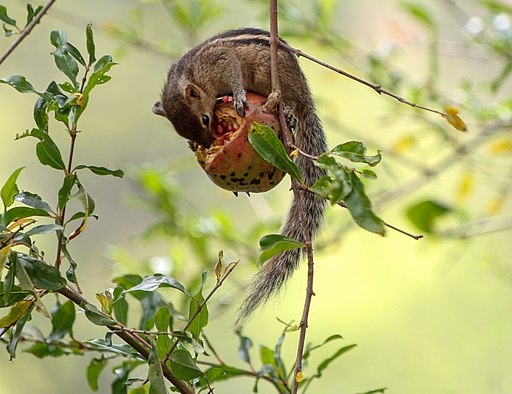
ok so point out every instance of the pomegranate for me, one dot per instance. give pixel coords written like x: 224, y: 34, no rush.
x: 231, y: 162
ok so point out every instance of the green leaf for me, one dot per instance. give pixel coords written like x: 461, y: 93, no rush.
x: 101, y: 170
x: 360, y: 208
x: 424, y: 214
x: 155, y: 373
x: 107, y: 346
x: 264, y: 140
x: 355, y: 152
x: 309, y: 349
x: 8, y: 285
x: 120, y: 306
x: 10, y: 188
x: 93, y: 372
x: 18, y: 330
x: 42, y: 275
x: 244, y: 348
x: 274, y: 244
x: 64, y: 61
x: 47, y: 151
x: 324, y: 364
x: 5, y: 18
x: 91, y: 49
x: 17, y: 213
x: 381, y: 390
x: 96, y: 317
x: 40, y: 114
x: 31, y: 12
x: 73, y: 51
x: 62, y: 321
x: 183, y: 365
x: 19, y: 82
x: 42, y: 350
x: 44, y: 229
x: 336, y: 184
x: 201, y: 320
x: 65, y: 190
x: 34, y: 201
x: 152, y: 283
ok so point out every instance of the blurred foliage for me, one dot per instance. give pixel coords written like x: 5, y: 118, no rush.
x: 168, y: 341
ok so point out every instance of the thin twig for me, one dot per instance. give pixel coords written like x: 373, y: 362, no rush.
x: 376, y: 88
x: 296, y: 188
x: 131, y: 339
x: 26, y: 31
x: 219, y: 283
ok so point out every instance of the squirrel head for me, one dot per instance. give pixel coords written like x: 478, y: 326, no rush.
x: 190, y: 112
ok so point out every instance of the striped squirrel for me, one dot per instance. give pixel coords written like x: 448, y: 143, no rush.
x: 231, y: 63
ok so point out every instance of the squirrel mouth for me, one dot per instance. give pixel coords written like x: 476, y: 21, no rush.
x: 225, y: 123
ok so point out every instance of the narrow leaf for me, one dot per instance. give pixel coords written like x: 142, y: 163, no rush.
x: 33, y: 200
x: 93, y: 372
x: 360, y: 208
x: 19, y: 82
x: 102, y: 170
x: 91, y: 49
x: 355, y: 151
x: 264, y: 140
x: 5, y: 18
x: 96, y: 317
x: 62, y: 321
x: 155, y: 373
x: 183, y: 365
x: 274, y: 244
x: 152, y: 283
x: 42, y: 275
x: 10, y: 188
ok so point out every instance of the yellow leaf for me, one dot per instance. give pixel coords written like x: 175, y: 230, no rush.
x: 403, y: 144
x: 495, y: 206
x: 465, y: 187
x: 218, y: 266
x: 454, y: 119
x: 299, y: 377
x: 500, y: 146
x: 16, y: 312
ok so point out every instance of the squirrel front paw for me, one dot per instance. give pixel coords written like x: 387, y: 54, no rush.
x: 240, y: 101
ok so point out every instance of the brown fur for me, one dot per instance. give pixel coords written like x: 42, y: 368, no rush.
x: 232, y: 63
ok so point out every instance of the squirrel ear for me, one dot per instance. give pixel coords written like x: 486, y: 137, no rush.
x: 158, y: 109
x: 193, y: 92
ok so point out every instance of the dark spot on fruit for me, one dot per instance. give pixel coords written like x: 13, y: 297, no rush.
x: 246, y: 174
x: 223, y: 177
x: 239, y: 155
x: 261, y: 174
x: 255, y: 181
x: 232, y: 174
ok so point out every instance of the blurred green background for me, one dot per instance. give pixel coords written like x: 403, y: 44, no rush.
x: 428, y: 316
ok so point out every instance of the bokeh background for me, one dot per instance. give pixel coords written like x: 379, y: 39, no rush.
x: 428, y: 316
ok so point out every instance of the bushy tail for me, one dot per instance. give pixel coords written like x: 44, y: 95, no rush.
x: 272, y: 276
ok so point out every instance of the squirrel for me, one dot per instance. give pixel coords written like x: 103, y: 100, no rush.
x: 232, y: 63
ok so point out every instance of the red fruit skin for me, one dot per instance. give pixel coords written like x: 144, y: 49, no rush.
x: 231, y: 162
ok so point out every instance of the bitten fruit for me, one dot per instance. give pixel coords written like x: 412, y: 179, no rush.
x: 231, y: 162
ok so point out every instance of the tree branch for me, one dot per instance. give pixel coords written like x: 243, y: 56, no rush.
x: 26, y: 31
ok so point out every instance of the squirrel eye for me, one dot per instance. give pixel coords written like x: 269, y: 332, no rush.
x: 206, y: 120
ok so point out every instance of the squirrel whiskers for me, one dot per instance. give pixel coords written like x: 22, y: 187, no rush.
x: 233, y: 63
